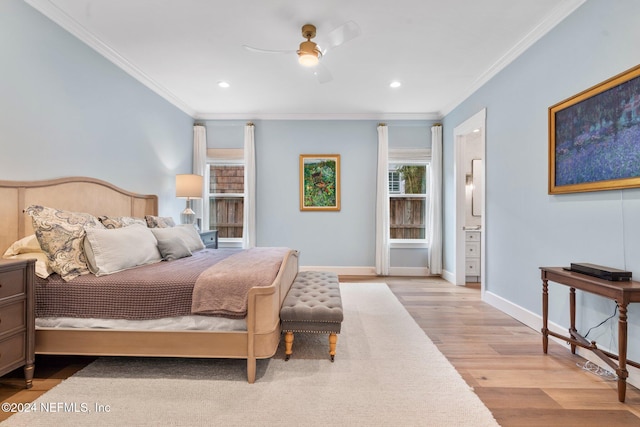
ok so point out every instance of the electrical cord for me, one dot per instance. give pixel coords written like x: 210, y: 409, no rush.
x: 592, y: 367
x: 597, y: 370
x: 615, y: 310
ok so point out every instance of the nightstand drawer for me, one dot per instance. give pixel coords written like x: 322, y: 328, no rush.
x: 17, y: 326
x: 11, y: 283
x: 210, y: 238
x: 12, y: 350
x: 12, y: 316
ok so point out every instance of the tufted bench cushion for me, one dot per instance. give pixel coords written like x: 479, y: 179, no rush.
x: 313, y: 304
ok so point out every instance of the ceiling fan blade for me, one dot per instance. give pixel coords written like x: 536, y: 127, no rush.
x: 258, y: 50
x: 322, y: 73
x: 342, y: 34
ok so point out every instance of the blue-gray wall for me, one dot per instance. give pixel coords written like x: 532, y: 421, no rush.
x: 67, y: 111
x: 345, y: 238
x: 525, y: 227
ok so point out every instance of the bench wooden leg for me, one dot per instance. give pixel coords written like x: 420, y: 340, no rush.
x: 288, y: 345
x: 333, y: 339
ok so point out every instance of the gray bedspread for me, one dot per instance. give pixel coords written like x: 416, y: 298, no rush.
x: 222, y: 289
x: 153, y: 291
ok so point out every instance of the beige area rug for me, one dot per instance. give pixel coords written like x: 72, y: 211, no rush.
x: 386, y: 373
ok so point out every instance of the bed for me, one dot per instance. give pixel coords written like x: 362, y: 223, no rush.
x: 257, y: 339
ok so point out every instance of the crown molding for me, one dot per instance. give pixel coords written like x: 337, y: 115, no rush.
x: 556, y: 16
x: 52, y: 12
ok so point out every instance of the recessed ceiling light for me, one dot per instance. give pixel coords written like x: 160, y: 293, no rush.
x: 223, y: 84
x: 395, y: 84
x: 476, y: 130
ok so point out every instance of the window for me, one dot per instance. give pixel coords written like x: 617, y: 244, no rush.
x: 408, y: 183
x: 225, y: 170
x: 394, y: 182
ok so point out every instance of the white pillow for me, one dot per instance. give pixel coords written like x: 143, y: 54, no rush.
x: 111, y: 250
x: 185, y: 232
x: 29, y: 248
x: 42, y: 262
x: 23, y: 246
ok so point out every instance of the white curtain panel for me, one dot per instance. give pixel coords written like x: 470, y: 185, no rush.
x: 434, y: 226
x: 200, y: 206
x: 249, y: 223
x: 382, y: 203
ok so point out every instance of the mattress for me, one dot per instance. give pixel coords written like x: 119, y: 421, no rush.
x: 176, y: 323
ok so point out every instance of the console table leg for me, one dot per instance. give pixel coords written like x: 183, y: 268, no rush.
x: 572, y: 315
x: 545, y: 315
x: 622, y: 352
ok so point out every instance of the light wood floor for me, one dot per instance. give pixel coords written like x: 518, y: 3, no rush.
x: 502, y: 360
x: 499, y: 357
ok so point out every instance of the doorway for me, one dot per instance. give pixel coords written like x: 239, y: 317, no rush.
x: 469, y: 184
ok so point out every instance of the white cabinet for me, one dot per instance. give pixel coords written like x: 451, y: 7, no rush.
x: 472, y: 255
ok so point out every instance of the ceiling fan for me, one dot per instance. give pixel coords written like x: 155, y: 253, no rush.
x: 310, y: 53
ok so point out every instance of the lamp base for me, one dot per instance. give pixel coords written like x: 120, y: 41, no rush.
x: 188, y: 216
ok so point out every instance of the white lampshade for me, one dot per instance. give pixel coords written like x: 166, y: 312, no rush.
x: 189, y: 186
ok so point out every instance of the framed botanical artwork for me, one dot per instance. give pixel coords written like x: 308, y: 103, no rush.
x: 319, y: 182
x: 594, y: 137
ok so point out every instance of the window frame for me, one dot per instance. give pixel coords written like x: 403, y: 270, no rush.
x: 224, y: 242
x: 397, y: 163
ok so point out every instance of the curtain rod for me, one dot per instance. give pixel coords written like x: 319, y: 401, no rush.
x: 400, y: 124
x: 224, y: 124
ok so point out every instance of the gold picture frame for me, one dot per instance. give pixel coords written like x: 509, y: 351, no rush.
x: 319, y: 182
x: 594, y: 134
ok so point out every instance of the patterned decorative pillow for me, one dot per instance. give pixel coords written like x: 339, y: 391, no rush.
x: 60, y: 234
x: 159, y: 221
x: 120, y: 221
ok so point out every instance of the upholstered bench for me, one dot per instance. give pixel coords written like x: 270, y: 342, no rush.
x: 313, y: 304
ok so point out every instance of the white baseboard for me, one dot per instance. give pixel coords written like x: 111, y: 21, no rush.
x: 534, y: 321
x: 345, y: 271
x: 409, y: 271
x: 369, y: 271
x: 449, y: 276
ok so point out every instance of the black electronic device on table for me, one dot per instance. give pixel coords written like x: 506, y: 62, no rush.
x: 601, y: 272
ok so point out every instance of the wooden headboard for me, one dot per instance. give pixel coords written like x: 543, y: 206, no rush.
x: 77, y: 194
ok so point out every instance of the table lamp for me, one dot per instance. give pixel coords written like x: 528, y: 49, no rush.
x: 189, y: 186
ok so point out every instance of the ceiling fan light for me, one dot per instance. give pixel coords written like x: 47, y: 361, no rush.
x: 308, y: 59
x: 308, y: 55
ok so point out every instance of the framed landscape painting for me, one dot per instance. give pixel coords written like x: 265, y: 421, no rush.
x: 594, y: 137
x: 319, y: 182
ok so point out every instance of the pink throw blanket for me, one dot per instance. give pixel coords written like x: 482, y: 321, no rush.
x: 222, y: 289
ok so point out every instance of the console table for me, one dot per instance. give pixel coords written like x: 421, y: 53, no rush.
x: 623, y: 293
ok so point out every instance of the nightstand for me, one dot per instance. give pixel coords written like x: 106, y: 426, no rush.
x: 210, y: 238
x: 17, y: 317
